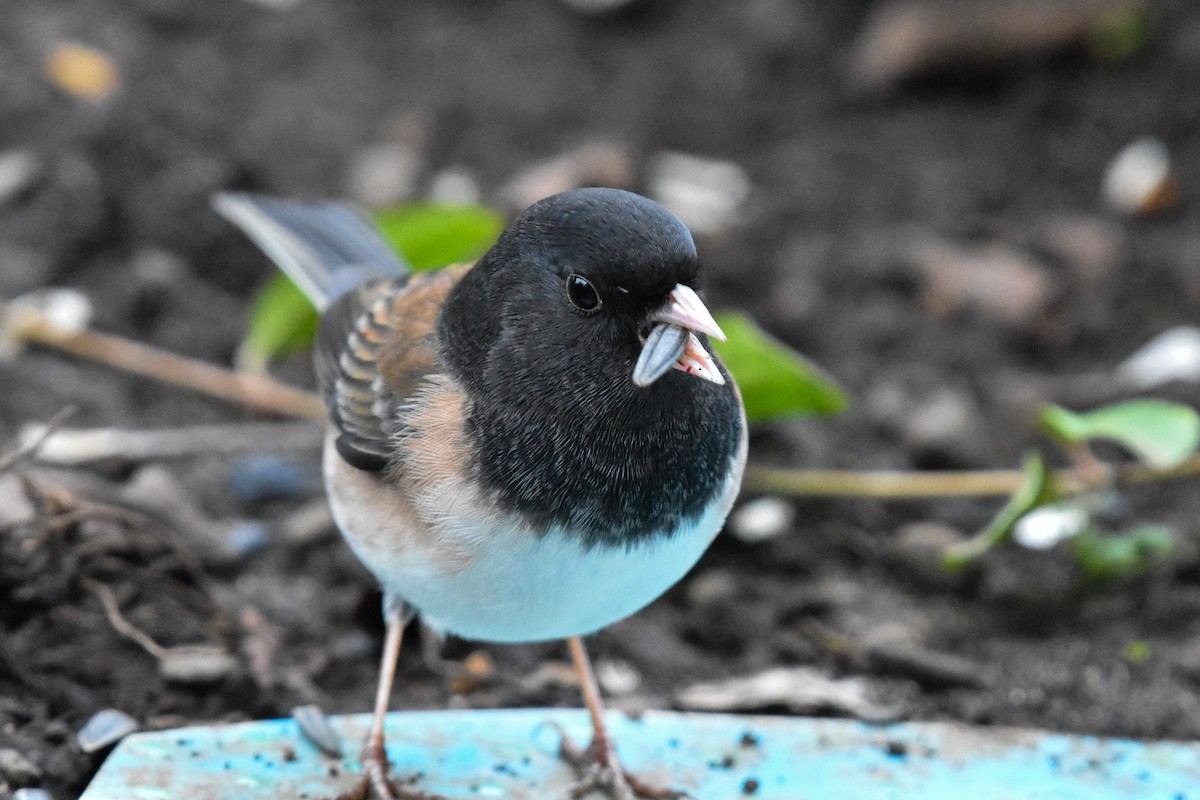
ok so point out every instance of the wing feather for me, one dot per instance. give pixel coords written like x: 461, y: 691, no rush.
x: 375, y: 348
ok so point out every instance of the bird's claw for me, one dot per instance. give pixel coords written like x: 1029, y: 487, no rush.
x: 599, y: 770
x: 376, y: 784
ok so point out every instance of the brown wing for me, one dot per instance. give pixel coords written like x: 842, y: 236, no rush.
x: 374, y: 348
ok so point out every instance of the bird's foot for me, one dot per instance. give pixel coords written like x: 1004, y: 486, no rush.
x: 599, y: 770
x: 376, y: 784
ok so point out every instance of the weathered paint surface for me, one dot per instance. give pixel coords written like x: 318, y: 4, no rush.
x: 511, y: 754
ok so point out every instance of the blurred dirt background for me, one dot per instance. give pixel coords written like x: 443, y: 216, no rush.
x: 909, y: 194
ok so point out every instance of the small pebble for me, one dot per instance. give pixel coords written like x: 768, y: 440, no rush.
x: 919, y: 547
x: 945, y: 420
x: 479, y: 664
x: 711, y: 587
x: 18, y: 170
x: 316, y: 728
x: 104, y: 728
x: 1139, y: 180
x: 618, y: 677
x: 31, y: 794
x: 17, y: 768
x: 266, y: 477
x: 477, y: 668
x: 761, y: 519
x: 247, y: 537
x: 82, y: 71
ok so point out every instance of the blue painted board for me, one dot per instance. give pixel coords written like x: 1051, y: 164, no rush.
x: 511, y: 754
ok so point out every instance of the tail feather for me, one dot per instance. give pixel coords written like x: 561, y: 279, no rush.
x: 325, y: 248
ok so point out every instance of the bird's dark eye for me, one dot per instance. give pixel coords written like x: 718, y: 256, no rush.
x: 582, y: 293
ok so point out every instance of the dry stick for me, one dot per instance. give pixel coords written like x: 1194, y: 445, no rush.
x: 266, y: 394
x: 259, y: 393
x: 915, y: 485
x: 882, y: 484
x: 73, y: 446
x: 121, y: 625
x: 31, y: 447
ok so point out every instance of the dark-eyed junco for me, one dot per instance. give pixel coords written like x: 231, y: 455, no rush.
x: 531, y: 447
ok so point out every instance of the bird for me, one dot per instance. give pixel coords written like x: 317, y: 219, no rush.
x: 526, y: 448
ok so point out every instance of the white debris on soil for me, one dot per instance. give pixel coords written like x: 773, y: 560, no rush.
x: 1173, y: 355
x: 590, y: 164
x: 707, y: 194
x: 1045, y: 527
x: 384, y: 173
x: 67, y: 309
x: 454, y: 185
x: 801, y: 690
x: 1000, y: 282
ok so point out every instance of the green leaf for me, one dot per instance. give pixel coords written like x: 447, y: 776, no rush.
x: 775, y: 381
x: 282, y: 321
x: 1035, y: 490
x: 1161, y: 434
x: 426, y: 235
x: 1106, y: 557
x: 431, y: 235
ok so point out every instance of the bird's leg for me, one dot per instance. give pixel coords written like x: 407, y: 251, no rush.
x: 597, y: 765
x: 376, y: 783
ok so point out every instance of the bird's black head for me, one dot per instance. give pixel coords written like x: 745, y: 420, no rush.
x: 615, y: 255
x: 564, y: 336
x: 585, y: 274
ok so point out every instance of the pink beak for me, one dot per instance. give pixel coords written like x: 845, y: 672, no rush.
x: 672, y: 341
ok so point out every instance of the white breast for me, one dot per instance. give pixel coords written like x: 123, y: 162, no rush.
x: 507, y: 585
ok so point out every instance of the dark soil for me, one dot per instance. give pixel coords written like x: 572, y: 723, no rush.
x: 846, y: 186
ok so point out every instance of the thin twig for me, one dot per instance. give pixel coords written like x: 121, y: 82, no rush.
x: 881, y: 484
x: 74, y: 446
x: 258, y: 392
x: 30, y: 448
x: 121, y: 625
x: 900, y: 485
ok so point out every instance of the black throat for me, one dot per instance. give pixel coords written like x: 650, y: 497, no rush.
x: 571, y: 444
